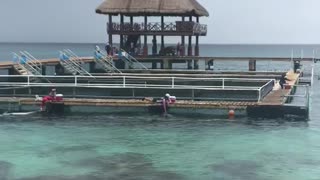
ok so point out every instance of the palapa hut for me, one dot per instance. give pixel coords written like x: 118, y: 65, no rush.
x: 130, y: 32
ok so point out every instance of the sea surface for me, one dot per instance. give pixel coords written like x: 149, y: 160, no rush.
x: 143, y: 146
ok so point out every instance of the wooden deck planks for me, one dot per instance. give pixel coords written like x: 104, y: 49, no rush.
x: 279, y: 96
x: 136, y: 103
x: 54, y: 61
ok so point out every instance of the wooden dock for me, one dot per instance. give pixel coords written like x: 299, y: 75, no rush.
x: 272, y: 103
x: 161, y: 59
x: 279, y: 96
x: 135, y: 103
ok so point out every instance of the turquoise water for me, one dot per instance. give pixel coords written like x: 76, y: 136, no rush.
x: 143, y: 146
x: 152, y: 147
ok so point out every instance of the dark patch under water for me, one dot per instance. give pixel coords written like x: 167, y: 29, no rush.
x: 5, y: 170
x: 237, y: 169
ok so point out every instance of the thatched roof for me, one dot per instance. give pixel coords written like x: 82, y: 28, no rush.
x: 152, y: 8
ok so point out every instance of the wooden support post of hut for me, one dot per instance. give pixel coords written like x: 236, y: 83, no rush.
x: 110, y: 34
x: 145, y: 45
x: 132, y: 32
x: 183, y: 43
x: 154, y: 45
x: 190, y: 40
x: 121, y: 35
x: 196, y: 48
x: 162, y: 30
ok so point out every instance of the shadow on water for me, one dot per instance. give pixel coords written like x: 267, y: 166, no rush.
x: 68, y: 149
x: 236, y: 169
x: 118, y: 166
x: 5, y: 170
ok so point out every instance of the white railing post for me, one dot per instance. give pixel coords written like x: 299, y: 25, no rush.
x: 75, y: 81
x: 307, y: 97
x: 259, y: 98
x: 223, y: 83
x: 312, y: 74
x: 172, y: 82
x: 28, y: 80
x: 124, y: 81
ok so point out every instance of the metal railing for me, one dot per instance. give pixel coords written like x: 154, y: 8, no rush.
x: 106, y: 62
x: 265, y: 89
x: 73, y: 64
x: 156, y: 27
x: 34, y: 62
x: 130, y: 59
x: 134, y: 82
x: 305, y: 96
x: 31, y: 66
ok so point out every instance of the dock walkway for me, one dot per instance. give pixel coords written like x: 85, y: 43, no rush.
x: 150, y: 59
x: 135, y: 103
x: 279, y: 96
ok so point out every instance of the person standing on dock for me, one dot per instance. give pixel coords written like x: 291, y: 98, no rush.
x: 97, y: 53
x: 53, y: 94
x: 283, y: 80
x: 296, y: 65
x: 63, y: 56
x: 108, y: 49
x: 23, y: 59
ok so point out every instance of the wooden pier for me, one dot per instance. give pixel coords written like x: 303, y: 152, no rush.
x: 156, y: 82
x: 163, y: 59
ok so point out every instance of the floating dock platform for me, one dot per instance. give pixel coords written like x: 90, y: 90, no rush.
x: 255, y: 97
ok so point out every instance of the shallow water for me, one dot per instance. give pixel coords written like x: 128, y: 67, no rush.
x: 143, y: 146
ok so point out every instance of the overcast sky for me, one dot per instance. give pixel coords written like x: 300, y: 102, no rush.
x: 230, y: 21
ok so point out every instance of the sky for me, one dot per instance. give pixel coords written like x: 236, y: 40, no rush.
x: 230, y: 21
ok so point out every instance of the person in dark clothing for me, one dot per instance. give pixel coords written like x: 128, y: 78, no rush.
x: 296, y: 65
x: 283, y: 80
x: 108, y: 49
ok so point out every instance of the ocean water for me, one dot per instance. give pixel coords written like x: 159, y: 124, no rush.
x: 144, y: 146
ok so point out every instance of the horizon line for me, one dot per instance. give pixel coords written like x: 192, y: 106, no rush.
x: 159, y: 43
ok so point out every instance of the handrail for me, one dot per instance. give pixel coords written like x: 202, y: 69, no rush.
x: 131, y: 59
x: 125, y: 85
x: 131, y: 82
x: 147, y: 77
x: 76, y: 62
x: 71, y: 67
x: 261, y: 88
x: 33, y: 61
x: 31, y: 70
x: 106, y: 61
x: 178, y: 26
x: 306, y: 95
